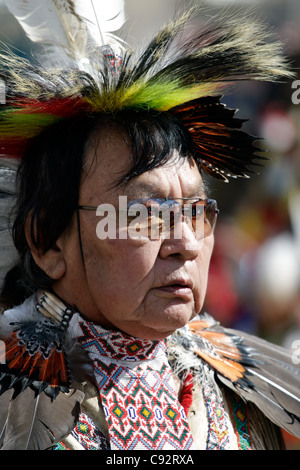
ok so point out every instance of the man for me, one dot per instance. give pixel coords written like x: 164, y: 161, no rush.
x: 104, y: 353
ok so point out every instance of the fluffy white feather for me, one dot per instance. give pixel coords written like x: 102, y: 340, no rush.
x: 103, y: 18
x: 69, y: 29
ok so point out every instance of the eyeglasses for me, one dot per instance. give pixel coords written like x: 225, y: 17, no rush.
x: 153, y: 217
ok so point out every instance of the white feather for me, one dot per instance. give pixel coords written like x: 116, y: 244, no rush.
x: 69, y: 29
x: 103, y: 18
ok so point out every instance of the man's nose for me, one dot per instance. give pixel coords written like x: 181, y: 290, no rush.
x: 181, y: 241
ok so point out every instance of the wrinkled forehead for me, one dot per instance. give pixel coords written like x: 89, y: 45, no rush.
x: 177, y: 178
x: 111, y: 158
x: 130, y: 144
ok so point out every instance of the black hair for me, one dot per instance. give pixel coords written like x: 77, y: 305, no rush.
x: 50, y: 173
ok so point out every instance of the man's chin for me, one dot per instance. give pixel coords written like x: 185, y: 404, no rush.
x: 164, y: 325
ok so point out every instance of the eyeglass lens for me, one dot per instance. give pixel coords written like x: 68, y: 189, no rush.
x: 162, y: 215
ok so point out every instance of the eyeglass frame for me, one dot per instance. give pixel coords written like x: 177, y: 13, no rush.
x: 195, y: 200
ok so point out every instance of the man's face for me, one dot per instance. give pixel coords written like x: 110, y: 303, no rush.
x: 144, y: 287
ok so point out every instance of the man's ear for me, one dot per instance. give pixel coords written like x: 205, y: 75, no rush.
x: 52, y: 262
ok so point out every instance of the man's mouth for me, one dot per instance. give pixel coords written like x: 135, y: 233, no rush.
x: 177, y: 288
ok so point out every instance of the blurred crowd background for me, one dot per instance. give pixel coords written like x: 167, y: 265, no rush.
x: 254, y: 282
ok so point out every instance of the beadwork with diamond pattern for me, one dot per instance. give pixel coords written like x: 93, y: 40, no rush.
x: 137, y: 392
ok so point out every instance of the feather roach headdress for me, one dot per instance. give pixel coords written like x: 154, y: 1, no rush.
x: 178, y: 72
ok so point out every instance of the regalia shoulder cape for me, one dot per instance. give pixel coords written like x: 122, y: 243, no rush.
x: 43, y: 370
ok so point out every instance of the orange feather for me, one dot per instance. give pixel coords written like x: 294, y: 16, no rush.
x: 231, y: 370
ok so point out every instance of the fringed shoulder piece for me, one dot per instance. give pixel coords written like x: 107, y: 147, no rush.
x: 258, y: 371
x: 39, y: 403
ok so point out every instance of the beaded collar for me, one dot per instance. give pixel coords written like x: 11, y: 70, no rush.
x: 117, y: 345
x: 137, y: 391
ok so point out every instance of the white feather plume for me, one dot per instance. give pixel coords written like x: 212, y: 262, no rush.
x: 70, y: 30
x: 102, y: 18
